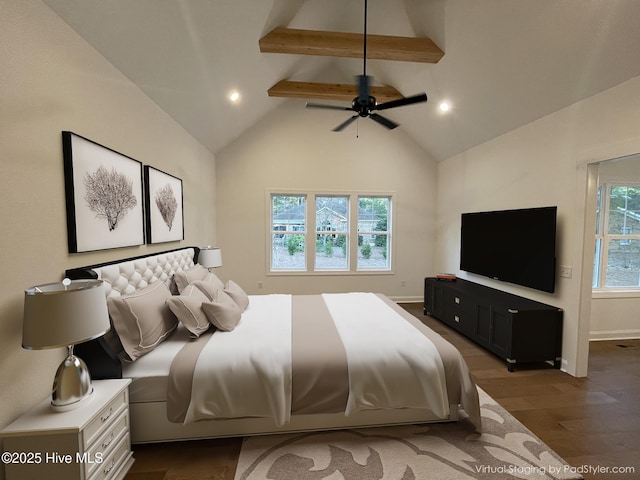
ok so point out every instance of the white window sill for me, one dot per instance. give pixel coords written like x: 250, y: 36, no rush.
x: 321, y: 273
x: 615, y: 293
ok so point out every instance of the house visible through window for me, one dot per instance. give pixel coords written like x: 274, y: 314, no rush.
x: 373, y: 233
x: 342, y: 233
x: 332, y: 233
x: 288, y: 231
x: 617, y: 253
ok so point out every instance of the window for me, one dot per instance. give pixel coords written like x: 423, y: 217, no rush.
x: 373, y: 233
x: 324, y: 239
x: 617, y: 252
x: 288, y: 232
x: 332, y: 233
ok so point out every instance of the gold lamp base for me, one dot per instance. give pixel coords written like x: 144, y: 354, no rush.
x: 72, y: 384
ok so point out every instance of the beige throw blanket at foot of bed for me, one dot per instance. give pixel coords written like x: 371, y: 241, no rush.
x: 248, y: 368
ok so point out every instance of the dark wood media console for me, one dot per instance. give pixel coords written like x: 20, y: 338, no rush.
x: 515, y: 328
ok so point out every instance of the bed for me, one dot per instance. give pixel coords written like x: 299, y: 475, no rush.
x: 284, y: 363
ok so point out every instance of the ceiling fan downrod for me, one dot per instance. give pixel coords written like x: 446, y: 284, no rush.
x: 364, y: 105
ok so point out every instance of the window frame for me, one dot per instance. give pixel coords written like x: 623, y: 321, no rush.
x: 602, y: 241
x: 311, y: 233
x: 375, y: 232
x: 287, y: 233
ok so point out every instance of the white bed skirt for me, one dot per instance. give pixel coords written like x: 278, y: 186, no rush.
x: 149, y: 423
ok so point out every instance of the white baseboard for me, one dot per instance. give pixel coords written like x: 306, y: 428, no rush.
x: 407, y: 299
x: 602, y: 335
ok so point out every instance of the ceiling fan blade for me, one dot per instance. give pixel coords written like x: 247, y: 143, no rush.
x: 345, y: 124
x: 421, y: 97
x: 383, y: 121
x: 325, y: 106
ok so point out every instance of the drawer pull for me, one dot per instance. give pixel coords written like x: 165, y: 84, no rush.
x: 106, y: 417
x: 456, y: 318
x: 108, y: 442
x: 110, y: 467
x: 457, y: 299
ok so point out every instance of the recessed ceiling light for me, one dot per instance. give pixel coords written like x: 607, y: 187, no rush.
x: 444, y: 106
x: 234, y: 96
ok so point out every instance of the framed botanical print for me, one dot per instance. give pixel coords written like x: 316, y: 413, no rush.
x: 164, y: 207
x: 103, y: 195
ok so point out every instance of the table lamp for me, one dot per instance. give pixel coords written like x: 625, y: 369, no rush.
x: 64, y: 314
x: 210, y: 257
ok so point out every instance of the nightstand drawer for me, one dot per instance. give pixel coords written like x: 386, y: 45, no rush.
x: 112, y: 463
x: 106, y: 416
x: 104, y: 446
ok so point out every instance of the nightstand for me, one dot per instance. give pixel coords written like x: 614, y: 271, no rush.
x: 90, y: 442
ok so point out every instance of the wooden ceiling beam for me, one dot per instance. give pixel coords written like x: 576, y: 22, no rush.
x: 330, y: 91
x: 339, y: 44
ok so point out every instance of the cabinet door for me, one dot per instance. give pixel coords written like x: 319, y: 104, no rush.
x: 535, y: 336
x: 482, y: 331
x: 433, y: 297
x: 500, y: 336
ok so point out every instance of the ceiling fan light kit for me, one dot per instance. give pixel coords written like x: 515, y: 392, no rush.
x: 365, y: 103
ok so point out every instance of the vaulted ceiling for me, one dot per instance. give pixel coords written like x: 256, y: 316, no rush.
x: 505, y: 63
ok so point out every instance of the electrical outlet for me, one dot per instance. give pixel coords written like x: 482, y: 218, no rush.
x: 259, y: 284
x: 403, y: 283
x: 565, y: 271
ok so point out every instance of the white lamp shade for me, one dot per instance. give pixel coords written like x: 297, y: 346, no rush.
x: 59, y: 315
x: 210, y: 257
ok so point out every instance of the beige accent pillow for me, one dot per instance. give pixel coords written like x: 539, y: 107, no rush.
x: 185, y: 277
x: 209, y: 284
x: 142, y: 319
x: 188, y: 308
x: 213, y: 279
x: 222, y: 311
x: 238, y: 294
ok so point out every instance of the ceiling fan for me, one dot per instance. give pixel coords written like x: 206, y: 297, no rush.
x: 364, y: 105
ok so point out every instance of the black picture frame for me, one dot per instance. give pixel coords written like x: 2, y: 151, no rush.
x: 164, y: 206
x: 104, y: 196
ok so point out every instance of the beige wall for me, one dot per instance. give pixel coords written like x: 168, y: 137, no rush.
x: 51, y: 80
x: 294, y: 148
x: 544, y: 163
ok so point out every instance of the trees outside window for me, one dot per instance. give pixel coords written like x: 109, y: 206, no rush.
x: 320, y: 240
x: 288, y: 230
x: 373, y: 233
x: 617, y: 254
x: 332, y: 233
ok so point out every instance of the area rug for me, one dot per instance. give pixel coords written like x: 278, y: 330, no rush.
x: 505, y: 449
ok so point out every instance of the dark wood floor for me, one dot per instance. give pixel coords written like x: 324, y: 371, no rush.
x: 591, y: 422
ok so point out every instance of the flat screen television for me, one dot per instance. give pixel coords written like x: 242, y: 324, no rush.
x: 515, y: 246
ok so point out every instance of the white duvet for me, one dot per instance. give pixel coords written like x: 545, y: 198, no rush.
x: 391, y: 364
x: 247, y: 372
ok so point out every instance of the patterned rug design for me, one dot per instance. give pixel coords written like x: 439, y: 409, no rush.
x: 505, y: 449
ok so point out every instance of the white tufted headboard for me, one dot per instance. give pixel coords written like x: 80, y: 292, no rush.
x: 120, y: 278
x: 126, y: 276
x: 131, y: 275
